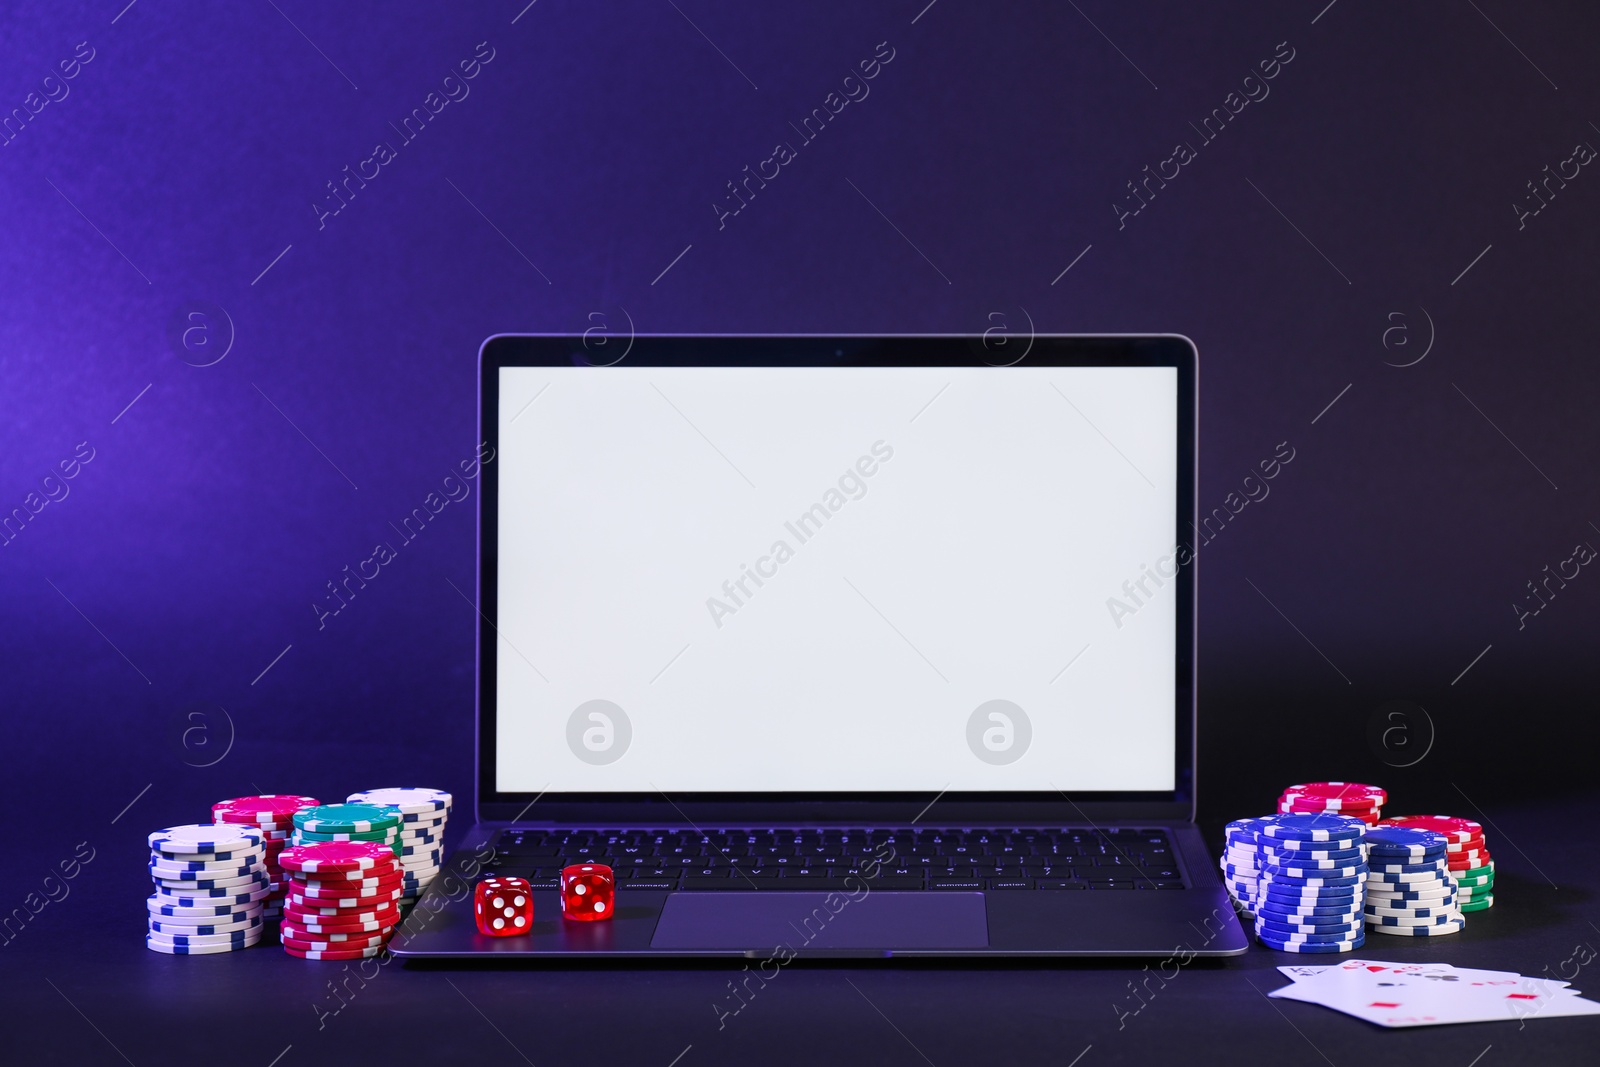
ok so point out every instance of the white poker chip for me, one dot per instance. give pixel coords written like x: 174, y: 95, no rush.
x: 243, y: 938
x: 199, y: 928
x: 160, y: 908
x: 197, y: 898
x: 192, y: 950
x: 237, y: 884
x: 205, y: 861
x: 419, y: 802
x: 205, y: 837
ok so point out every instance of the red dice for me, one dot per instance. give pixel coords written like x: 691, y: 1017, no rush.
x: 588, y: 892
x: 503, y: 907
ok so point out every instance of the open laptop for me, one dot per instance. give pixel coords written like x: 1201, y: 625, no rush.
x: 838, y: 646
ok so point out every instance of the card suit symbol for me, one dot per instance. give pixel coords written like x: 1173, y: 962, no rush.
x: 1383, y: 1004
x: 1521, y: 996
x: 1375, y: 969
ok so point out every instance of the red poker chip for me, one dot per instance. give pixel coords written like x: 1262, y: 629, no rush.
x: 344, y: 887
x: 338, y: 857
x: 1341, y: 796
x: 269, y: 807
x: 296, y: 932
x: 1480, y: 859
x: 389, y: 912
x: 1454, y: 829
x: 324, y: 946
x: 1475, y: 844
x: 344, y: 899
x: 352, y: 954
x: 1313, y: 806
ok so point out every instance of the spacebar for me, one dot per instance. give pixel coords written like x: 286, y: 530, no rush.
x: 809, y: 885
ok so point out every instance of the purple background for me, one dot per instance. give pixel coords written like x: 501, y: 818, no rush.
x: 182, y: 166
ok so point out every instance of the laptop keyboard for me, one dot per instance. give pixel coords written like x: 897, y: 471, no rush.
x: 1054, y: 858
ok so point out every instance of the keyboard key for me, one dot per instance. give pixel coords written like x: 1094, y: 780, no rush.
x: 1060, y: 883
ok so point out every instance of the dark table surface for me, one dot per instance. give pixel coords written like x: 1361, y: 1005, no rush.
x: 80, y: 988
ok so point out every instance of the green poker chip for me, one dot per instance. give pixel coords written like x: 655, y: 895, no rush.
x: 347, y: 818
x: 1481, y: 904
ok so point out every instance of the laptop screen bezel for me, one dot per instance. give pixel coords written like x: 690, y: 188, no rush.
x: 789, y: 808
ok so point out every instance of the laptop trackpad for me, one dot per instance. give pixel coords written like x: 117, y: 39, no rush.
x: 766, y: 921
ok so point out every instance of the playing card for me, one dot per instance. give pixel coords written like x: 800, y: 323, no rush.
x: 1404, y: 995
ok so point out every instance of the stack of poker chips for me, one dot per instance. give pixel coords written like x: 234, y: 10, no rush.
x: 373, y: 823
x: 210, y: 885
x: 423, y: 814
x: 1364, y: 802
x: 1240, y: 863
x: 1466, y: 856
x: 1311, y: 881
x: 272, y: 814
x: 343, y: 900
x: 1409, y: 891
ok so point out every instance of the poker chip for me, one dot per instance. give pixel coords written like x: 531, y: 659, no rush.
x: 1377, y: 911
x: 1313, y: 910
x: 347, y: 858
x: 412, y: 803
x: 1341, y: 792
x: 242, y: 938
x: 158, y: 907
x: 332, y: 954
x: 376, y: 940
x: 204, y: 838
x: 1454, y: 926
x: 1389, y: 840
x: 1309, y: 923
x: 222, y: 885
x: 344, y: 888
x: 1376, y: 879
x: 210, y: 883
x: 1315, y: 947
x: 347, y: 818
x: 1413, y: 920
x: 1452, y: 828
x: 180, y: 926
x: 373, y: 912
x: 319, y: 931
x: 1309, y: 935
x: 190, y: 950
x: 1345, y: 857
x: 1479, y: 904
x: 1320, y: 827
x: 269, y: 807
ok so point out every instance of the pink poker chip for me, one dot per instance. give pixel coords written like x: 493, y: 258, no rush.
x: 337, y: 857
x: 266, y: 808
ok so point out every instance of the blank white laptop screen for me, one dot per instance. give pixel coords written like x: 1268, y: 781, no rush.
x: 840, y: 580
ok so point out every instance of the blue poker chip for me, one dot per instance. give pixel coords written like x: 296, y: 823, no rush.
x: 1314, y: 935
x: 1350, y: 857
x: 1330, y: 882
x: 1312, y: 913
x: 1310, y: 922
x: 1309, y: 867
x: 1390, y: 840
x: 1326, y: 898
x: 1314, y: 947
x: 1288, y: 933
x: 1322, y: 826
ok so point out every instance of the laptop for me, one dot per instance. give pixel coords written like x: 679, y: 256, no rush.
x: 865, y: 646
